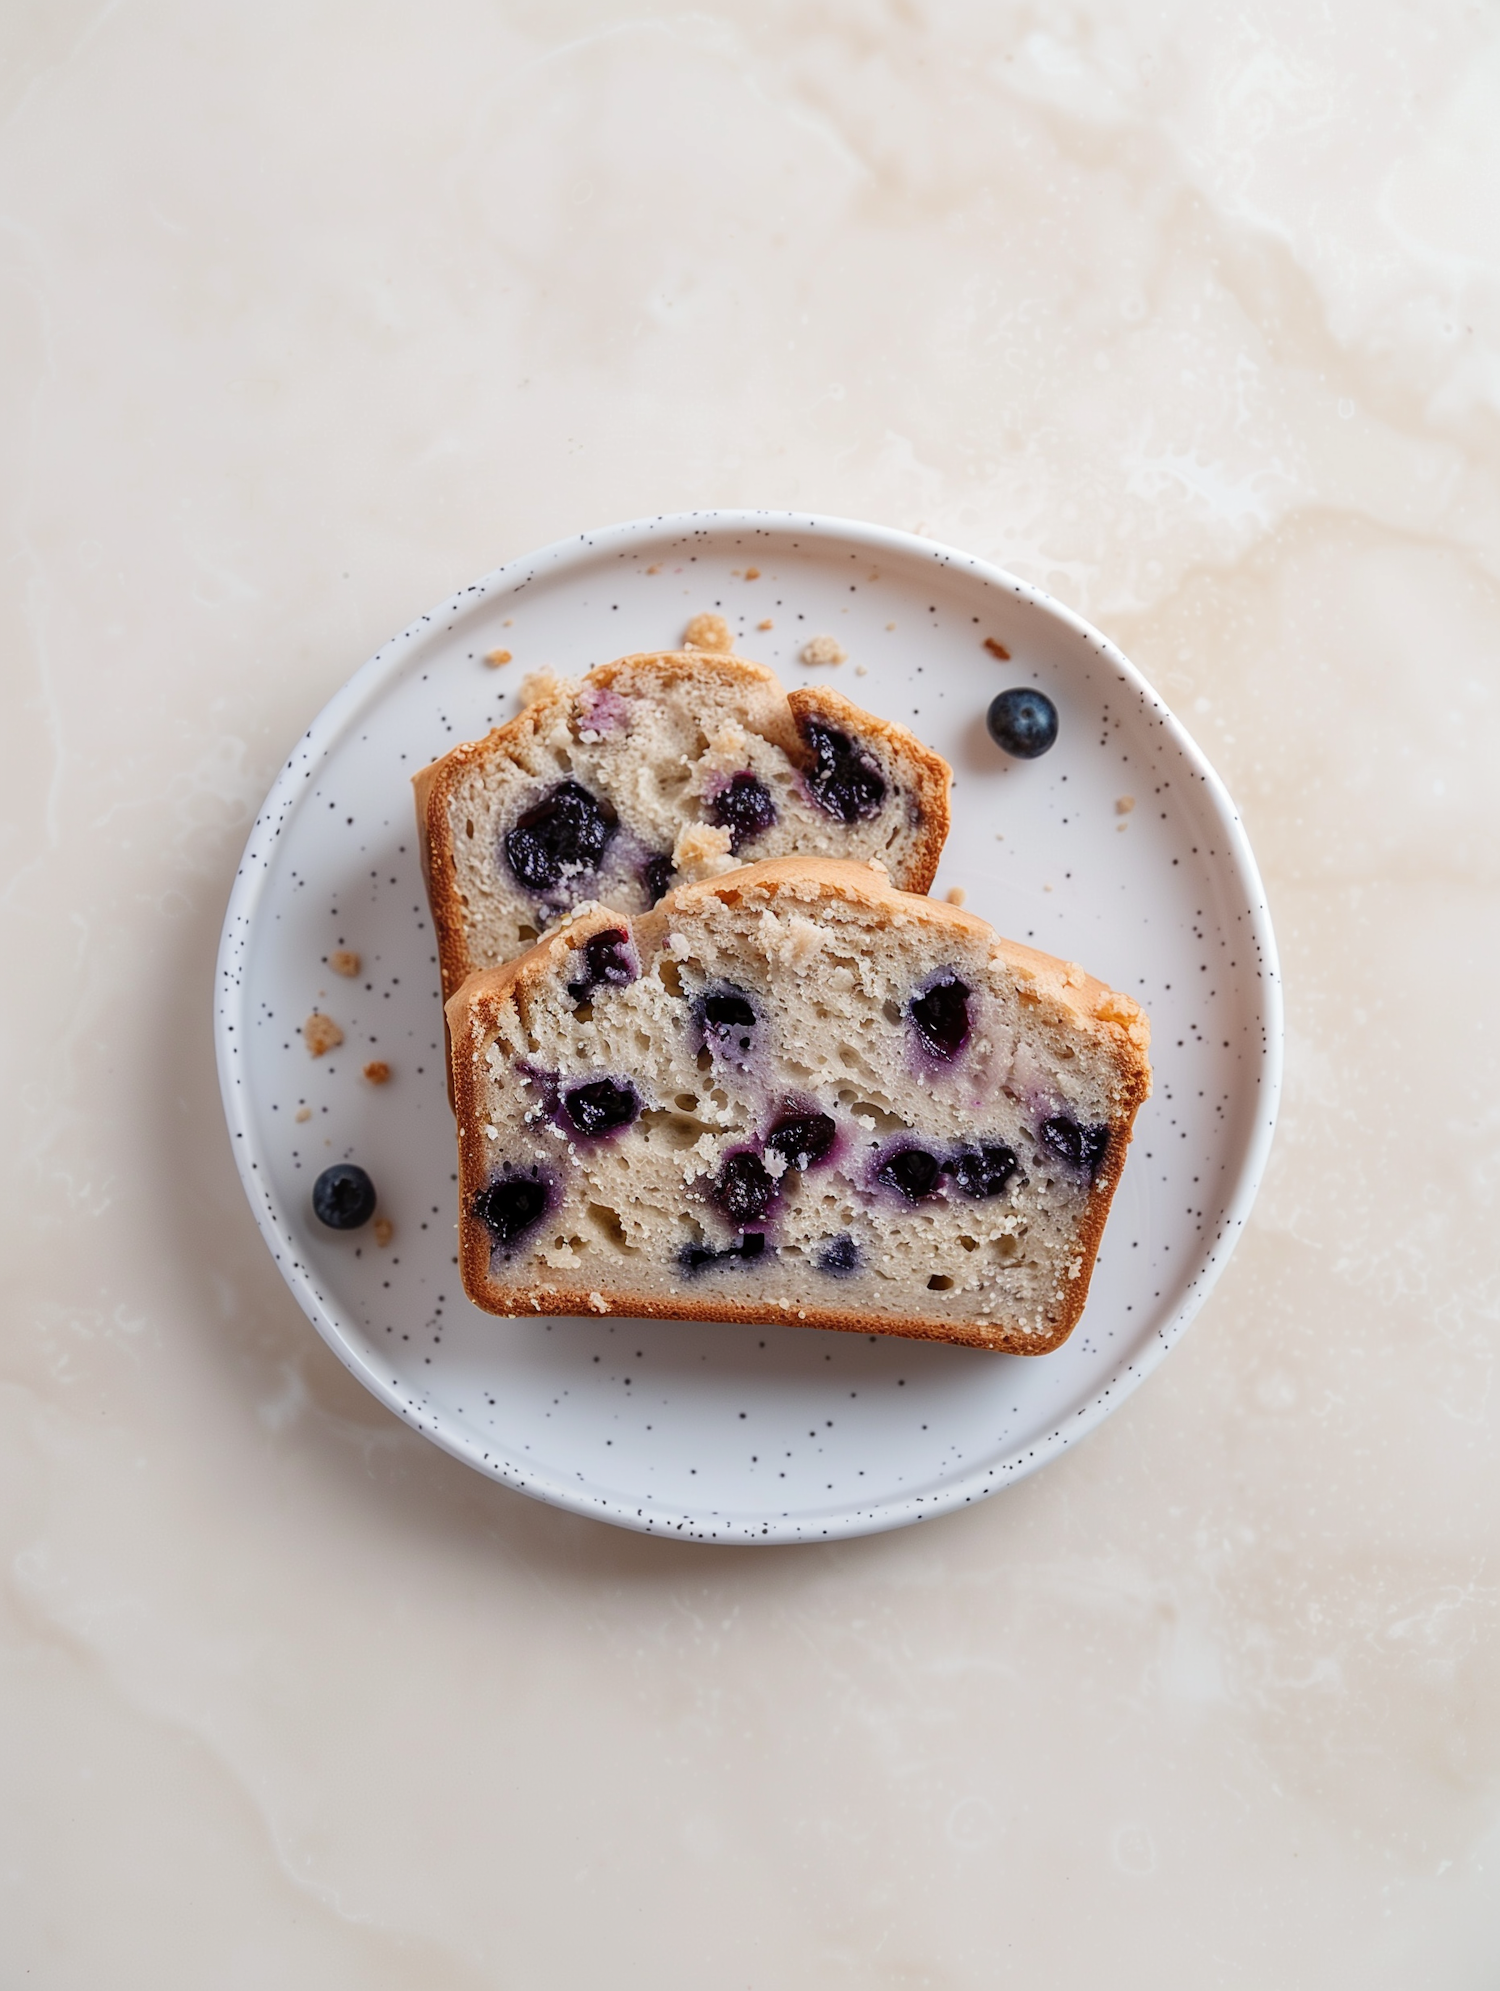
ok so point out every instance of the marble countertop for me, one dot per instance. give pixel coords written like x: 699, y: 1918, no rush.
x: 1190, y: 315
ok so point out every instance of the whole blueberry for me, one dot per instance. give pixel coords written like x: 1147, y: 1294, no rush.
x: 743, y: 1189
x: 941, y: 1014
x: 910, y: 1171
x: 743, y: 806
x: 343, y: 1197
x: 984, y: 1171
x: 844, y: 780
x: 509, y: 1207
x: 606, y: 962
x: 802, y: 1138
x: 568, y: 830
x: 1023, y: 722
x: 1081, y: 1147
x: 601, y: 1105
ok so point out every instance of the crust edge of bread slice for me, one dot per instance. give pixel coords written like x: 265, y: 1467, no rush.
x: 1093, y: 1005
x: 433, y: 785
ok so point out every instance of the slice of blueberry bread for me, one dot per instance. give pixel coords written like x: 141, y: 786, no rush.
x: 793, y: 1093
x: 654, y: 770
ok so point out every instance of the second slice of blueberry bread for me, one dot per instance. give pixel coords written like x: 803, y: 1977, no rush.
x: 654, y: 768
x: 793, y: 1093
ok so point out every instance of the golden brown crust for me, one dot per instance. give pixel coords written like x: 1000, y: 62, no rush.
x: 472, y: 1012
x: 434, y: 784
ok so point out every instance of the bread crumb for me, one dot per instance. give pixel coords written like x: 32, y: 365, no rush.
x: 539, y: 684
x: 860, y: 671
x: 890, y: 625
x: 507, y: 622
x: 598, y: 1302
x: 752, y: 573
x: 823, y: 650
x: 955, y: 895
x: 1046, y: 888
x: 303, y: 1113
x: 320, y: 1033
x: 495, y: 658
x: 344, y: 961
x: 702, y: 851
x: 377, y: 1071
x: 997, y: 649
x: 767, y: 624
x: 654, y: 570
x: 385, y: 1230
x: 707, y: 632
x: 1122, y: 826
x: 1124, y: 804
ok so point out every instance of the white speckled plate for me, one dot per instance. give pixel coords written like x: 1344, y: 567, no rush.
x: 714, y: 1432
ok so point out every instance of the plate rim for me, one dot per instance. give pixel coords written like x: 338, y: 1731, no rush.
x: 980, y: 1482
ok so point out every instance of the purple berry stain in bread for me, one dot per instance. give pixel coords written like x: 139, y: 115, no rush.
x: 941, y: 1016
x: 607, y: 963
x: 911, y: 1172
x: 1083, y: 1148
x: 839, y: 1258
x: 743, y: 806
x: 697, y: 1257
x: 657, y: 874
x: 510, y: 1206
x: 984, y: 1171
x: 569, y: 830
x: 727, y: 1019
x: 802, y: 1138
x: 844, y: 780
x: 601, y: 1107
x: 743, y: 1189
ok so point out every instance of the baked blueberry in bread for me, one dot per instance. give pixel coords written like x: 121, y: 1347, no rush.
x: 651, y: 771
x: 793, y: 1093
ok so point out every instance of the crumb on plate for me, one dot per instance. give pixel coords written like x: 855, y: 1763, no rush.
x: 320, y: 1033
x: 1124, y: 804
x: 495, y: 658
x: 767, y: 624
x: 823, y: 650
x: 385, y: 1230
x: 377, y: 1071
x: 344, y: 961
x: 955, y: 895
x: 997, y: 649
x: 303, y: 1113
x: 707, y: 632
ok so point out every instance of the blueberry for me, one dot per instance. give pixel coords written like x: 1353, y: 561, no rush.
x: 657, y: 874
x: 508, y: 1208
x: 568, y: 830
x: 802, y: 1138
x: 343, y: 1197
x: 1080, y: 1147
x: 743, y: 1189
x: 941, y: 1014
x: 606, y: 961
x: 727, y: 1017
x: 743, y: 806
x: 845, y: 781
x: 912, y: 1171
x: 839, y: 1257
x: 1023, y: 722
x: 983, y: 1172
x: 601, y: 1106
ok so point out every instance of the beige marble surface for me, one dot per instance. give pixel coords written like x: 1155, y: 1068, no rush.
x: 307, y: 315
